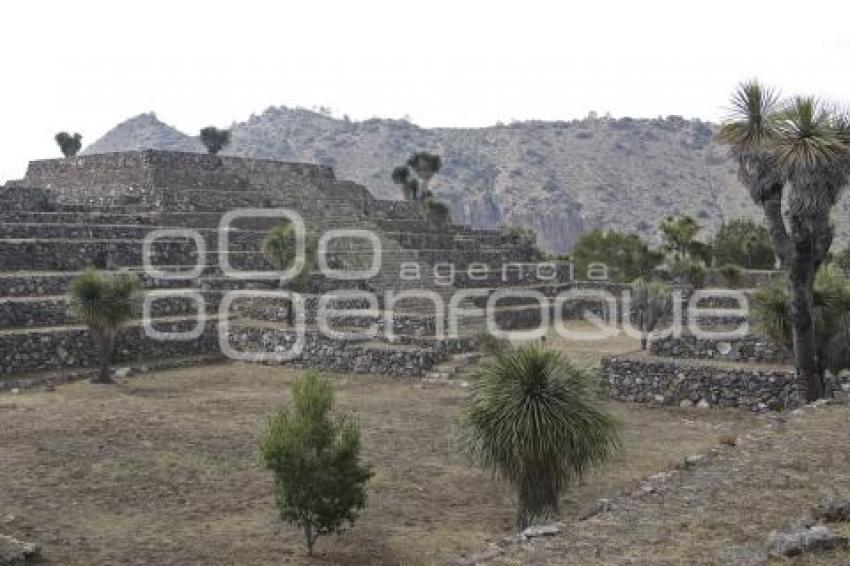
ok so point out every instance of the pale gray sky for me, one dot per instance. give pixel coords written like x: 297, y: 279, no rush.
x: 87, y: 65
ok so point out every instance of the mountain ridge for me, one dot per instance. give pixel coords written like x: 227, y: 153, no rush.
x: 561, y: 178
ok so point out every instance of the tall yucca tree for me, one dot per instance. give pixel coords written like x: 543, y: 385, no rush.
x: 104, y: 302
x: 748, y: 132
x: 534, y: 420
x: 810, y: 151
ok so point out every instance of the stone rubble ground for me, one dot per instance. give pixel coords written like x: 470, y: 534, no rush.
x: 808, y: 537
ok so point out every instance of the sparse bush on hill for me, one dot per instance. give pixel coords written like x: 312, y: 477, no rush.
x: 314, y: 456
x: 535, y: 420
x: 68, y: 144
x: 744, y: 243
x: 626, y: 256
x: 214, y: 139
x: 103, y: 303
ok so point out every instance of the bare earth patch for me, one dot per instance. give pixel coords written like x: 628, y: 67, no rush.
x: 163, y: 469
x: 720, y: 512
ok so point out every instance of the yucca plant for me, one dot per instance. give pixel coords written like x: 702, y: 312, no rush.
x: 535, y: 420
x: 104, y: 302
x: 280, y: 247
x: 748, y: 132
x: 802, y: 143
x: 812, y: 155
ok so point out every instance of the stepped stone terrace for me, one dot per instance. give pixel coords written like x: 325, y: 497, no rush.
x: 119, y: 211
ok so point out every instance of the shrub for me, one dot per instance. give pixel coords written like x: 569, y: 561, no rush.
x: 214, y: 139
x: 488, y: 344
x: 744, y: 243
x: 535, y: 420
x: 69, y: 145
x: 830, y: 313
x: 732, y: 274
x: 688, y: 272
x: 319, y: 482
x: 626, y: 256
x: 437, y: 212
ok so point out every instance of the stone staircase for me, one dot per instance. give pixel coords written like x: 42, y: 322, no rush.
x: 95, y: 211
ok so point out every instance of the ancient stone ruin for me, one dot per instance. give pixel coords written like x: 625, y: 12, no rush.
x: 98, y: 210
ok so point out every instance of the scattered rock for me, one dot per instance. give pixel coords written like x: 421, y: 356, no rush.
x: 832, y: 511
x: 694, y: 460
x: 728, y: 440
x: 16, y: 553
x: 799, y: 541
x: 541, y: 531
x: 123, y: 373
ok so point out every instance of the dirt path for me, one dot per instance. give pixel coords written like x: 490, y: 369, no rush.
x: 719, y: 512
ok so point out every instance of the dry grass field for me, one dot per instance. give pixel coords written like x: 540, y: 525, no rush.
x: 163, y: 469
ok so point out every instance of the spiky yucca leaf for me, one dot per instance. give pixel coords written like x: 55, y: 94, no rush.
x: 750, y: 123
x: 534, y: 419
x: 279, y: 245
x: 808, y: 141
x: 103, y: 302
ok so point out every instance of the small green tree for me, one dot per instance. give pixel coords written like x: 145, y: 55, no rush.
x: 651, y: 302
x: 214, y: 139
x: 534, y: 419
x: 280, y: 247
x: 744, y: 243
x: 69, y: 145
x: 626, y: 256
x: 319, y: 481
x: 104, y: 303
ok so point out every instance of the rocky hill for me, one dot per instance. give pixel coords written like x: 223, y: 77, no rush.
x: 561, y: 178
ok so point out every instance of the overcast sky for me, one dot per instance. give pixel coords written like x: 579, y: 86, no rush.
x: 87, y: 65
